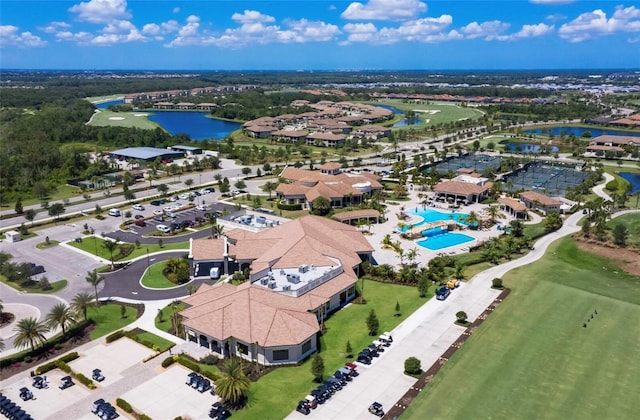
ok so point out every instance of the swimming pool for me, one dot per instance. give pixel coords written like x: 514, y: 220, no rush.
x: 444, y: 240
x: 431, y: 215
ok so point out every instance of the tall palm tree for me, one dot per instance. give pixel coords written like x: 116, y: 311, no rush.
x: 81, y: 302
x: 110, y: 246
x: 233, y: 385
x: 61, y: 316
x: 217, y: 230
x: 30, y: 333
x: 94, y: 279
x: 473, y: 220
x: 494, y: 213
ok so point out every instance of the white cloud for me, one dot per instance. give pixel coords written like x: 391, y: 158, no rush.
x: 252, y: 16
x: 10, y: 35
x: 101, y: 11
x: 54, y: 27
x: 384, y: 10
x: 419, y: 30
x: 595, y: 24
x: 488, y: 31
x: 360, y: 32
x: 157, y: 30
x: 532, y: 31
x: 79, y: 37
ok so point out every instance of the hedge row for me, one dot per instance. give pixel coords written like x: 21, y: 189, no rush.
x: 115, y: 336
x: 293, y: 207
x: 60, y: 363
x: 56, y: 343
x: 127, y: 407
x: 192, y: 365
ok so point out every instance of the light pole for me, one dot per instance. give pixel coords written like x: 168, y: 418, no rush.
x: 148, y: 262
x: 199, y: 197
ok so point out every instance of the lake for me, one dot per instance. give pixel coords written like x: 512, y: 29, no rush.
x: 403, y: 122
x: 107, y: 104
x: 578, y: 131
x: 527, y: 147
x: 194, y: 124
x: 634, y: 179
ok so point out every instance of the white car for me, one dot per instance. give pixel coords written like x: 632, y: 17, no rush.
x: 167, y: 208
x: 138, y: 207
x: 201, y: 208
x: 171, y: 215
x: 158, y: 212
x: 184, y: 196
x: 163, y: 228
x: 176, y: 206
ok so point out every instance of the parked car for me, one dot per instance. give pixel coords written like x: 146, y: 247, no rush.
x: 26, y: 394
x: 443, y: 293
x: 201, y: 208
x: 163, y: 228
x: 37, y: 269
x: 303, y: 407
x: 376, y: 408
x: 138, y: 207
x: 159, y: 218
x: 184, y: 196
x: 208, y: 190
x: 138, y: 217
x: 97, y: 375
x: 386, y: 339
x: 39, y: 382
x: 66, y: 382
x: 171, y: 214
x: 158, y: 212
x: 140, y: 223
x: 453, y: 283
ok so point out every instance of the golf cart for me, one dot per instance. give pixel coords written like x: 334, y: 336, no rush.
x: 376, y: 408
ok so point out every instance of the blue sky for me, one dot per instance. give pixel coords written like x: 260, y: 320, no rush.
x: 319, y: 34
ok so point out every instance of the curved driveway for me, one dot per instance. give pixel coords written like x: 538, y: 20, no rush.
x: 125, y: 283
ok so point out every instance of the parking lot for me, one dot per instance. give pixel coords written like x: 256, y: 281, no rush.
x: 150, y: 389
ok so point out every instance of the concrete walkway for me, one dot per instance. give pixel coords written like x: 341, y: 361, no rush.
x: 599, y: 189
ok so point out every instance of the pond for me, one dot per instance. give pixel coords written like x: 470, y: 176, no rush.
x: 107, y: 104
x: 634, y: 180
x: 403, y: 122
x: 195, y: 124
x: 528, y: 147
x: 578, y: 131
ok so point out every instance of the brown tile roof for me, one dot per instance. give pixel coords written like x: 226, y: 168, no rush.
x: 461, y: 188
x: 592, y: 147
x: 544, y: 200
x: 330, y: 166
x: 205, y: 249
x: 617, y: 140
x: 515, y: 205
x: 251, y: 314
x: 356, y: 214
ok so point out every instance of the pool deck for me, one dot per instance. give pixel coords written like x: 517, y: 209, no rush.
x: 388, y: 256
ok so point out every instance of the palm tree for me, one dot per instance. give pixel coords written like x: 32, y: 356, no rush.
x: 80, y: 303
x: 269, y: 187
x: 217, y: 230
x: 233, y: 386
x: 494, y: 213
x: 30, y: 333
x: 61, y: 316
x: 473, y: 220
x: 94, y: 279
x: 110, y: 246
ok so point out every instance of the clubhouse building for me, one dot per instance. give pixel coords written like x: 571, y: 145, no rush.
x: 300, y: 272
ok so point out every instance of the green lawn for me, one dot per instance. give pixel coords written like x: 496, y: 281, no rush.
x: 632, y: 222
x: 275, y: 395
x: 162, y: 343
x: 165, y: 324
x: 153, y: 277
x: 95, y: 245
x: 108, y: 319
x: 106, y: 118
x: 442, y: 112
x: 534, y: 359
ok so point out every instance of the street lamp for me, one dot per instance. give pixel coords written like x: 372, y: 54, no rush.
x: 148, y: 263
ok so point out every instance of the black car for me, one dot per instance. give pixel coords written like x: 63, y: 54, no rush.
x: 376, y: 408
x: 97, y: 375
x: 158, y: 218
x: 66, y: 382
x: 138, y: 217
x: 364, y: 358
x: 303, y: 407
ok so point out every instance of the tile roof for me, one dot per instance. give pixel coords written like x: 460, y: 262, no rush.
x: 515, y: 205
x: 356, y: 214
x: 252, y: 313
x: 461, y: 188
x: 545, y: 200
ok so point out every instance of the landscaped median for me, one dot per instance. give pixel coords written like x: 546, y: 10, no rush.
x: 122, y: 250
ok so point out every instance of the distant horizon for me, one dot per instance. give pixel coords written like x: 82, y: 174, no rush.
x: 321, y: 35
x: 479, y: 70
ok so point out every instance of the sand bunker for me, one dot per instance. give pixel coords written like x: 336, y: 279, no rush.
x: 427, y: 111
x: 116, y: 118
x: 141, y: 115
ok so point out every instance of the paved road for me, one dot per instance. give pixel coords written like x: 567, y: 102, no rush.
x: 125, y: 283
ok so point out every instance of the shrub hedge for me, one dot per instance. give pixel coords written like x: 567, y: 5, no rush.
x: 292, y: 207
x: 115, y: 336
x: 167, y: 362
x: 124, y: 405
